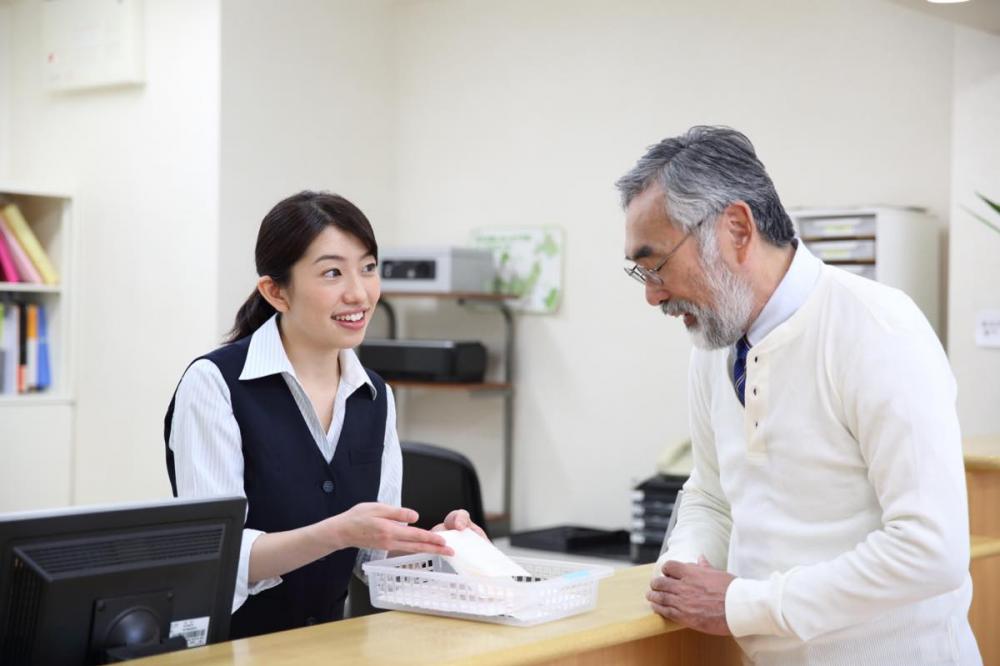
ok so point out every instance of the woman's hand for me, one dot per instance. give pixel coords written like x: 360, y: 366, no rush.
x: 459, y: 519
x: 377, y: 527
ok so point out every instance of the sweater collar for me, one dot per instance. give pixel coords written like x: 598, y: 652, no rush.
x: 798, y: 282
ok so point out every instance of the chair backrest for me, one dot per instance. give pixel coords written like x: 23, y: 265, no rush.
x: 437, y: 480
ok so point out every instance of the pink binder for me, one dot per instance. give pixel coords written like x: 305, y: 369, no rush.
x: 25, y: 268
x: 7, y: 271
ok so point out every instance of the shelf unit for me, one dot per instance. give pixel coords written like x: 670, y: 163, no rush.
x: 499, y: 524
x: 36, y: 428
x: 898, y: 247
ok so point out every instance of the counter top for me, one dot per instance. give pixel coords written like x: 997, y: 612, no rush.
x: 622, y: 615
x: 982, y: 453
x: 984, y: 546
x: 395, y: 638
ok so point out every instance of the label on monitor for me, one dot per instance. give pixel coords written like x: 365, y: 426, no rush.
x: 194, y: 630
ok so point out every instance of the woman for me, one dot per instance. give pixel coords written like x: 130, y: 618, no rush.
x: 286, y: 415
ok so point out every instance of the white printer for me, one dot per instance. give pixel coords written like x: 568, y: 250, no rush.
x: 437, y: 268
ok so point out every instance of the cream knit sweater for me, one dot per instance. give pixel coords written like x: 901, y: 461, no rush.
x: 837, y: 495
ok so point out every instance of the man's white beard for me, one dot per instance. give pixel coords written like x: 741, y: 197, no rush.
x: 723, y: 324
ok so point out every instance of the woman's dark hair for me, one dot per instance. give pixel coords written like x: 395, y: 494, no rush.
x: 285, y: 234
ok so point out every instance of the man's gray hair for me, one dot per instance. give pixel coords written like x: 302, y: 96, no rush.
x: 702, y: 172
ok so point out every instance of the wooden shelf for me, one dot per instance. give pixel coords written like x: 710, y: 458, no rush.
x: 452, y: 295
x: 35, y: 399
x: 29, y: 288
x: 503, y: 389
x: 452, y: 386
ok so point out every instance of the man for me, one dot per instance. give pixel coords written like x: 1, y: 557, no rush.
x: 825, y: 520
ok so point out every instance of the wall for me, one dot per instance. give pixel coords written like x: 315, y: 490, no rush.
x: 526, y: 113
x: 244, y: 104
x: 307, y: 103
x: 5, y: 92
x: 438, y: 117
x: 143, y: 164
x: 975, y: 250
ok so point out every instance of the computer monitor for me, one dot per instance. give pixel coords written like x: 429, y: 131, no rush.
x: 93, y: 585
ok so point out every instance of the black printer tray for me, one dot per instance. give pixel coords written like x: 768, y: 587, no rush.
x: 425, y: 360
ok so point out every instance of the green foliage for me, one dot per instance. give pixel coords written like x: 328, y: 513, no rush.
x: 992, y: 204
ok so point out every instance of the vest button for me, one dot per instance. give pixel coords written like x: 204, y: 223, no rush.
x: 328, y: 486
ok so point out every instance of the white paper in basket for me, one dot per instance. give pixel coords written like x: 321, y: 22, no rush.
x: 475, y: 556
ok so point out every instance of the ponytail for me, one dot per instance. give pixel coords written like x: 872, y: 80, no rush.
x: 253, y: 313
x: 284, y: 236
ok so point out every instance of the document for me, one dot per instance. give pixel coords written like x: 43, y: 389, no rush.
x: 475, y: 556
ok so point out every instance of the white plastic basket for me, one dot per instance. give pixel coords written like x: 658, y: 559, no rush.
x: 427, y: 584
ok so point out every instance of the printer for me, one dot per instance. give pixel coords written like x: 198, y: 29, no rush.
x: 425, y: 360
x: 437, y: 269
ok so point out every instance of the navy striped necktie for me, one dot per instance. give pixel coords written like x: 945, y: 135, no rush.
x: 740, y: 368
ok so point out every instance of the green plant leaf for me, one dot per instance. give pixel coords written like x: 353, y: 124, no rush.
x: 981, y: 219
x: 995, y: 206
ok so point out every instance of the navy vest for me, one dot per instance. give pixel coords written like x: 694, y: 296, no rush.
x: 289, y: 484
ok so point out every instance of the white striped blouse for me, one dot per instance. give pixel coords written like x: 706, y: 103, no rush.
x: 208, y: 452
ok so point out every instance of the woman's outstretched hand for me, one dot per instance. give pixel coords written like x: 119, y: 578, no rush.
x: 381, y: 527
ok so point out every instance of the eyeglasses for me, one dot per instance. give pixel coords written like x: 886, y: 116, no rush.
x: 644, y: 275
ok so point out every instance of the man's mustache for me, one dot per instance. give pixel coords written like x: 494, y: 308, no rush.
x: 676, y: 307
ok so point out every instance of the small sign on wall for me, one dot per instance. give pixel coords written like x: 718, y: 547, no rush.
x: 529, y: 264
x: 92, y: 43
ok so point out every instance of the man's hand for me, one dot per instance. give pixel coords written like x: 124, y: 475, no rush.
x: 693, y: 595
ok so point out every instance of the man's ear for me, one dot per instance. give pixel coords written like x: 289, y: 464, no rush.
x: 739, y: 229
x: 273, y: 293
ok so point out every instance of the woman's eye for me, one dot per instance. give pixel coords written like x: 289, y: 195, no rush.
x: 333, y: 272
x: 370, y: 268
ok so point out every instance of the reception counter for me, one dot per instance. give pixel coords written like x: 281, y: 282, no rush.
x: 982, y: 476
x: 622, y: 630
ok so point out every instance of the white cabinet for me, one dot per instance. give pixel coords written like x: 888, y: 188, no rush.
x: 36, y: 429
x: 895, y: 246
x: 36, y: 438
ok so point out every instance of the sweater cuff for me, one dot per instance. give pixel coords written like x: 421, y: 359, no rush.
x: 675, y: 554
x: 754, y: 606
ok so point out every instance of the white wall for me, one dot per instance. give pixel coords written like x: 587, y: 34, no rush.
x: 975, y: 250
x: 143, y: 164
x: 5, y: 92
x: 437, y: 117
x: 526, y: 113
x: 244, y: 104
x: 307, y: 103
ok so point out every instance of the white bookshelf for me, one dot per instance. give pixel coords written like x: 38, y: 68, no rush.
x: 896, y: 246
x: 36, y: 429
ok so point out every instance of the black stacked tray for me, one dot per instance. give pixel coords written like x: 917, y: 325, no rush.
x: 652, y: 504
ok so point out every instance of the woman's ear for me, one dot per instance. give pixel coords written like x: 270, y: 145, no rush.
x: 273, y: 293
x: 739, y: 228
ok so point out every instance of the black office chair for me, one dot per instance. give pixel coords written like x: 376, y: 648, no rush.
x: 436, y: 480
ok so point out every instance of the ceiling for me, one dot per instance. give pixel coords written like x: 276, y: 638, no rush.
x: 981, y: 14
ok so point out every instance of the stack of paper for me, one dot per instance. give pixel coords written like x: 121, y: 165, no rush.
x: 475, y: 556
